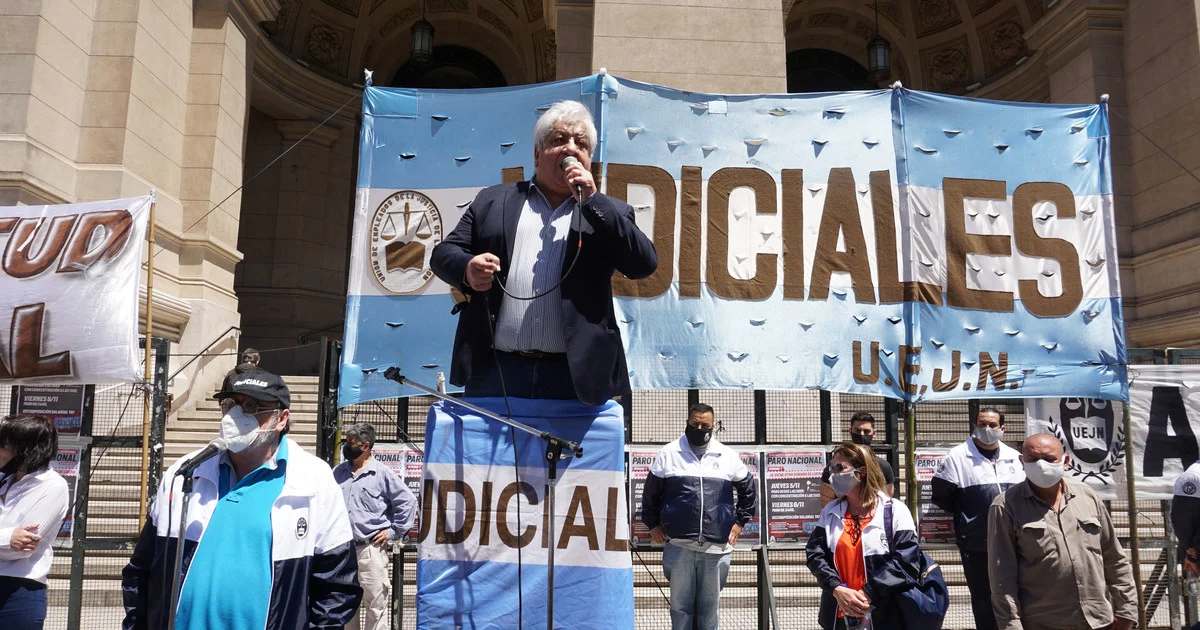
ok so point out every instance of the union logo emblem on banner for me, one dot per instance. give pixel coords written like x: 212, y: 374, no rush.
x: 1090, y: 434
x: 404, y: 231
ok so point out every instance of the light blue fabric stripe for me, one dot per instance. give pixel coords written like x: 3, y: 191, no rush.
x: 483, y: 595
x: 422, y: 139
x: 821, y: 131
x: 456, y: 435
x: 951, y: 136
x: 800, y: 344
x: 780, y: 352
x: 413, y: 332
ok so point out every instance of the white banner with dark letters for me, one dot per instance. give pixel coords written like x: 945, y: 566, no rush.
x: 1164, y: 414
x: 69, y: 291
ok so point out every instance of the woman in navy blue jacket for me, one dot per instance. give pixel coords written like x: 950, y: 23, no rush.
x: 849, y: 553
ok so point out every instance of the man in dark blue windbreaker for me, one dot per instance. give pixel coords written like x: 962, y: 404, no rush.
x: 971, y: 476
x: 688, y: 502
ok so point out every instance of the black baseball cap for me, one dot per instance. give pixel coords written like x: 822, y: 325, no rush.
x: 259, y: 385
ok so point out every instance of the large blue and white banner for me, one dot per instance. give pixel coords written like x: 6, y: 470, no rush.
x: 897, y: 243
x: 485, y: 529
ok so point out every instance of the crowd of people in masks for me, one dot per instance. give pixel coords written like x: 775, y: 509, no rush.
x: 1039, y: 550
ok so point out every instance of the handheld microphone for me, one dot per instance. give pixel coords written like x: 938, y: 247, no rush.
x: 214, y: 448
x: 564, y: 164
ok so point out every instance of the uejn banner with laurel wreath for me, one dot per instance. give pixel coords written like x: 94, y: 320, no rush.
x: 1164, y: 414
x: 891, y: 242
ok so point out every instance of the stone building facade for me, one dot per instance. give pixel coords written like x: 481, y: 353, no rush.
x: 109, y: 98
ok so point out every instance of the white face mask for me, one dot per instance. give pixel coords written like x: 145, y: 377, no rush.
x: 240, y: 430
x: 1044, y: 474
x: 988, y: 435
x: 843, y: 482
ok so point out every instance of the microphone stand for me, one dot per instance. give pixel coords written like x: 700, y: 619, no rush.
x: 177, y: 573
x: 556, y: 448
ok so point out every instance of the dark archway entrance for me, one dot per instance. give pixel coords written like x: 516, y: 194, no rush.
x: 452, y: 68
x: 820, y: 70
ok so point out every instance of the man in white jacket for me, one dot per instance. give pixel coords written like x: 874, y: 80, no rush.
x: 267, y: 542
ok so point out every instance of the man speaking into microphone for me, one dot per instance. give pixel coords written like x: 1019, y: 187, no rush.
x: 538, y: 341
x: 542, y: 252
x: 267, y: 544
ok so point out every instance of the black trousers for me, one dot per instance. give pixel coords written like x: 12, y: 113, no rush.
x: 975, y: 567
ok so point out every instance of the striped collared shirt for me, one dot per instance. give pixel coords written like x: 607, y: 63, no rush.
x: 535, y: 267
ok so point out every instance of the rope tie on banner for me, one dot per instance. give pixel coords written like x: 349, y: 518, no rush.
x: 264, y: 169
x: 1155, y: 145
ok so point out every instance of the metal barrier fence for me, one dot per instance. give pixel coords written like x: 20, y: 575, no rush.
x: 786, y: 418
x: 85, y: 581
x: 84, y: 589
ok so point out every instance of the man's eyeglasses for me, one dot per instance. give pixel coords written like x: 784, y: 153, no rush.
x: 249, y: 405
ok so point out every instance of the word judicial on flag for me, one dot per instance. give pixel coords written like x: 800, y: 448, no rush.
x: 897, y: 243
x: 69, y: 304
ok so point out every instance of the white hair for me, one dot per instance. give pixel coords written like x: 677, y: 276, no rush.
x: 565, y: 113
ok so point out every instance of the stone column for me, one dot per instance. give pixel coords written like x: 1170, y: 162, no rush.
x: 1083, y: 42
x: 573, y: 38
x: 725, y: 46
x: 1162, y: 65
x: 211, y: 170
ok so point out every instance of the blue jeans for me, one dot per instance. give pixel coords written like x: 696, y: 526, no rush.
x: 523, y: 378
x: 696, y: 582
x: 22, y: 604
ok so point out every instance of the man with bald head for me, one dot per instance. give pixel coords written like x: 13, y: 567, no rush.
x: 1053, y: 556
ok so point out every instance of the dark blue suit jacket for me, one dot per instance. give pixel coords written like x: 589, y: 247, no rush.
x: 611, y: 242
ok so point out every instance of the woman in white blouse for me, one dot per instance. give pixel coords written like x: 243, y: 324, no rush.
x: 33, y: 503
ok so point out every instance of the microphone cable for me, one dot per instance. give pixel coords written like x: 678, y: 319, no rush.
x: 487, y: 305
x: 651, y: 574
x: 577, y: 223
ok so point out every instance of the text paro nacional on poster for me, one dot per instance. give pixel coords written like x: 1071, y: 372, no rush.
x: 69, y: 278
x: 890, y: 242
x: 792, y: 480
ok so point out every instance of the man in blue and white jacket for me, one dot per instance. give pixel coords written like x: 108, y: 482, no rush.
x: 688, y: 501
x: 970, y: 477
x: 267, y: 544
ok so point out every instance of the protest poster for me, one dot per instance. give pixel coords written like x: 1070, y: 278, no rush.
x: 414, y: 464
x: 639, y: 468
x: 66, y: 464
x: 793, y: 493
x: 934, y: 525
x: 406, y: 463
x: 61, y: 403
x: 752, y: 532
